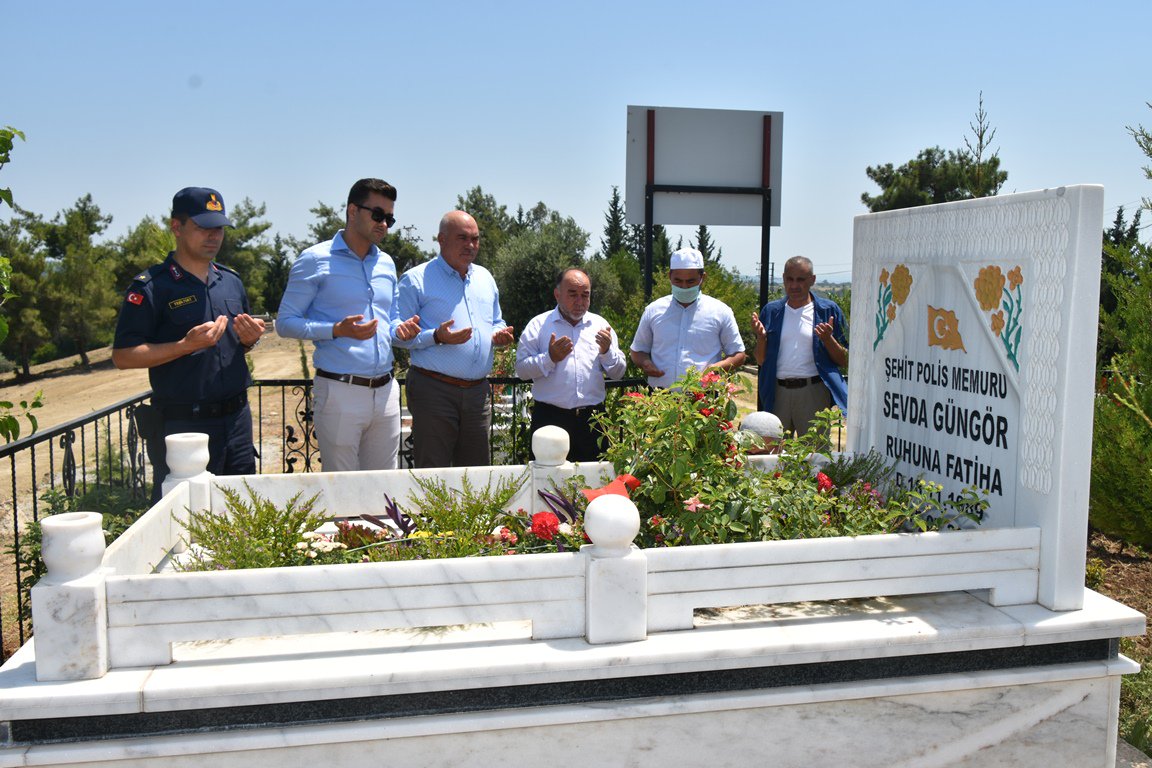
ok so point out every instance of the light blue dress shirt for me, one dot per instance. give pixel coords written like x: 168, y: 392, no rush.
x: 578, y: 379
x: 436, y: 292
x: 329, y: 282
x: 677, y: 337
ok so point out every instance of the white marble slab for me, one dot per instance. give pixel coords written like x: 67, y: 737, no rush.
x: 970, y: 320
x: 925, y: 722
x: 317, y: 667
x: 148, y: 541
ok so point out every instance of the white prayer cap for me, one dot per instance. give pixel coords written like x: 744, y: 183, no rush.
x: 687, y: 258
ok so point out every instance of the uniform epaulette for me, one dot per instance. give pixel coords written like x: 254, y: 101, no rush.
x: 144, y: 277
x: 225, y: 269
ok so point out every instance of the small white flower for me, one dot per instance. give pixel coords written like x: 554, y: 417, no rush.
x: 565, y: 529
x: 312, y: 553
x: 302, y: 545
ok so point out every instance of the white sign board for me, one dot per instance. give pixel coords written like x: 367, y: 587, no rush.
x: 702, y: 147
x: 973, y: 352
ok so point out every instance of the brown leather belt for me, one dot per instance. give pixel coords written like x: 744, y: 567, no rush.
x: 360, y: 381
x: 462, y: 383
x: 798, y: 383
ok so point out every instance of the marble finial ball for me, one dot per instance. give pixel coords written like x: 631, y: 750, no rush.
x: 612, y: 522
x: 550, y: 446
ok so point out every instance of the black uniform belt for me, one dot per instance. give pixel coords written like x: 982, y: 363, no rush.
x: 798, y: 383
x: 360, y: 381
x: 583, y: 410
x: 225, y: 407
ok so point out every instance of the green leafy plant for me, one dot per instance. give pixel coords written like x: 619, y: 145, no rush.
x: 1120, y: 499
x: 11, y: 413
x: 696, y: 488
x: 449, y: 522
x: 252, y: 532
x: 558, y: 528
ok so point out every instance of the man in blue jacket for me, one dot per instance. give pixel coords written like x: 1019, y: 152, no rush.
x: 800, y: 347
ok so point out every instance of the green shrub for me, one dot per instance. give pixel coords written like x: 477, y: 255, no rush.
x: 252, y: 533
x: 1136, y: 699
x: 1120, y: 500
x: 694, y: 488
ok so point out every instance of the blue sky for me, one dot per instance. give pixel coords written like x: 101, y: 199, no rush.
x: 288, y: 103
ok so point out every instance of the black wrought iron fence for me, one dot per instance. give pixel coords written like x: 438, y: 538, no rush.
x: 100, y: 462
x: 83, y: 461
x: 101, y: 459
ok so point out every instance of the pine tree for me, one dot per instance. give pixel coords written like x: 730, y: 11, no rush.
x: 615, y: 237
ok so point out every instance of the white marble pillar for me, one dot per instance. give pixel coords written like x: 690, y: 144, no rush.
x: 187, y: 457
x: 616, y: 575
x: 69, y: 605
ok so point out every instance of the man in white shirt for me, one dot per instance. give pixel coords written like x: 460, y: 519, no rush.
x: 566, y: 353
x: 686, y: 329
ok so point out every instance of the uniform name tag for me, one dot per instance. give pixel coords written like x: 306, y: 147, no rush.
x: 182, y: 302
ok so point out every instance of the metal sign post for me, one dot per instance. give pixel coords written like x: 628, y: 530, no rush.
x: 706, y: 152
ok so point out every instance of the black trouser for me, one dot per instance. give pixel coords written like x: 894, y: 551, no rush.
x: 584, y: 437
x: 230, y: 448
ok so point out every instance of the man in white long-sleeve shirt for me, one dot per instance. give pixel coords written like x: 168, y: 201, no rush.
x: 567, y: 353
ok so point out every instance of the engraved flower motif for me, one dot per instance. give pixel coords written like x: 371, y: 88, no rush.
x: 901, y: 283
x: 998, y: 322
x: 989, y: 284
x: 1015, y: 278
x: 891, y: 312
x: 883, y: 277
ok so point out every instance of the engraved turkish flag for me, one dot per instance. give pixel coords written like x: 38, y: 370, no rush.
x: 944, y: 329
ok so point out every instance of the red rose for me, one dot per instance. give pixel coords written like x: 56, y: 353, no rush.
x: 698, y: 395
x: 706, y: 411
x: 709, y: 378
x: 656, y: 521
x: 823, y: 482
x: 725, y: 426
x: 545, y: 525
x: 637, y: 395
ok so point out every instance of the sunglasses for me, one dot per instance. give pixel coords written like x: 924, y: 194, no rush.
x: 378, y: 214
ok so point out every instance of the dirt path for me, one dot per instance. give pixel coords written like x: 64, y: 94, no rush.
x: 71, y: 392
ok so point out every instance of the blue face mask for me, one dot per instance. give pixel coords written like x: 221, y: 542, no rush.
x: 685, y: 295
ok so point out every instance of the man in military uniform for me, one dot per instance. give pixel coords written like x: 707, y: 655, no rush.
x: 186, y: 320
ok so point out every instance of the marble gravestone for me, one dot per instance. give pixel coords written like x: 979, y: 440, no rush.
x: 973, y: 355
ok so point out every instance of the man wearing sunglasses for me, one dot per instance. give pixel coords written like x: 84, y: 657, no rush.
x: 457, y: 307
x: 341, y: 294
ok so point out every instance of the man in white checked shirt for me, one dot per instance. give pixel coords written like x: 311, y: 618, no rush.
x: 567, y: 353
